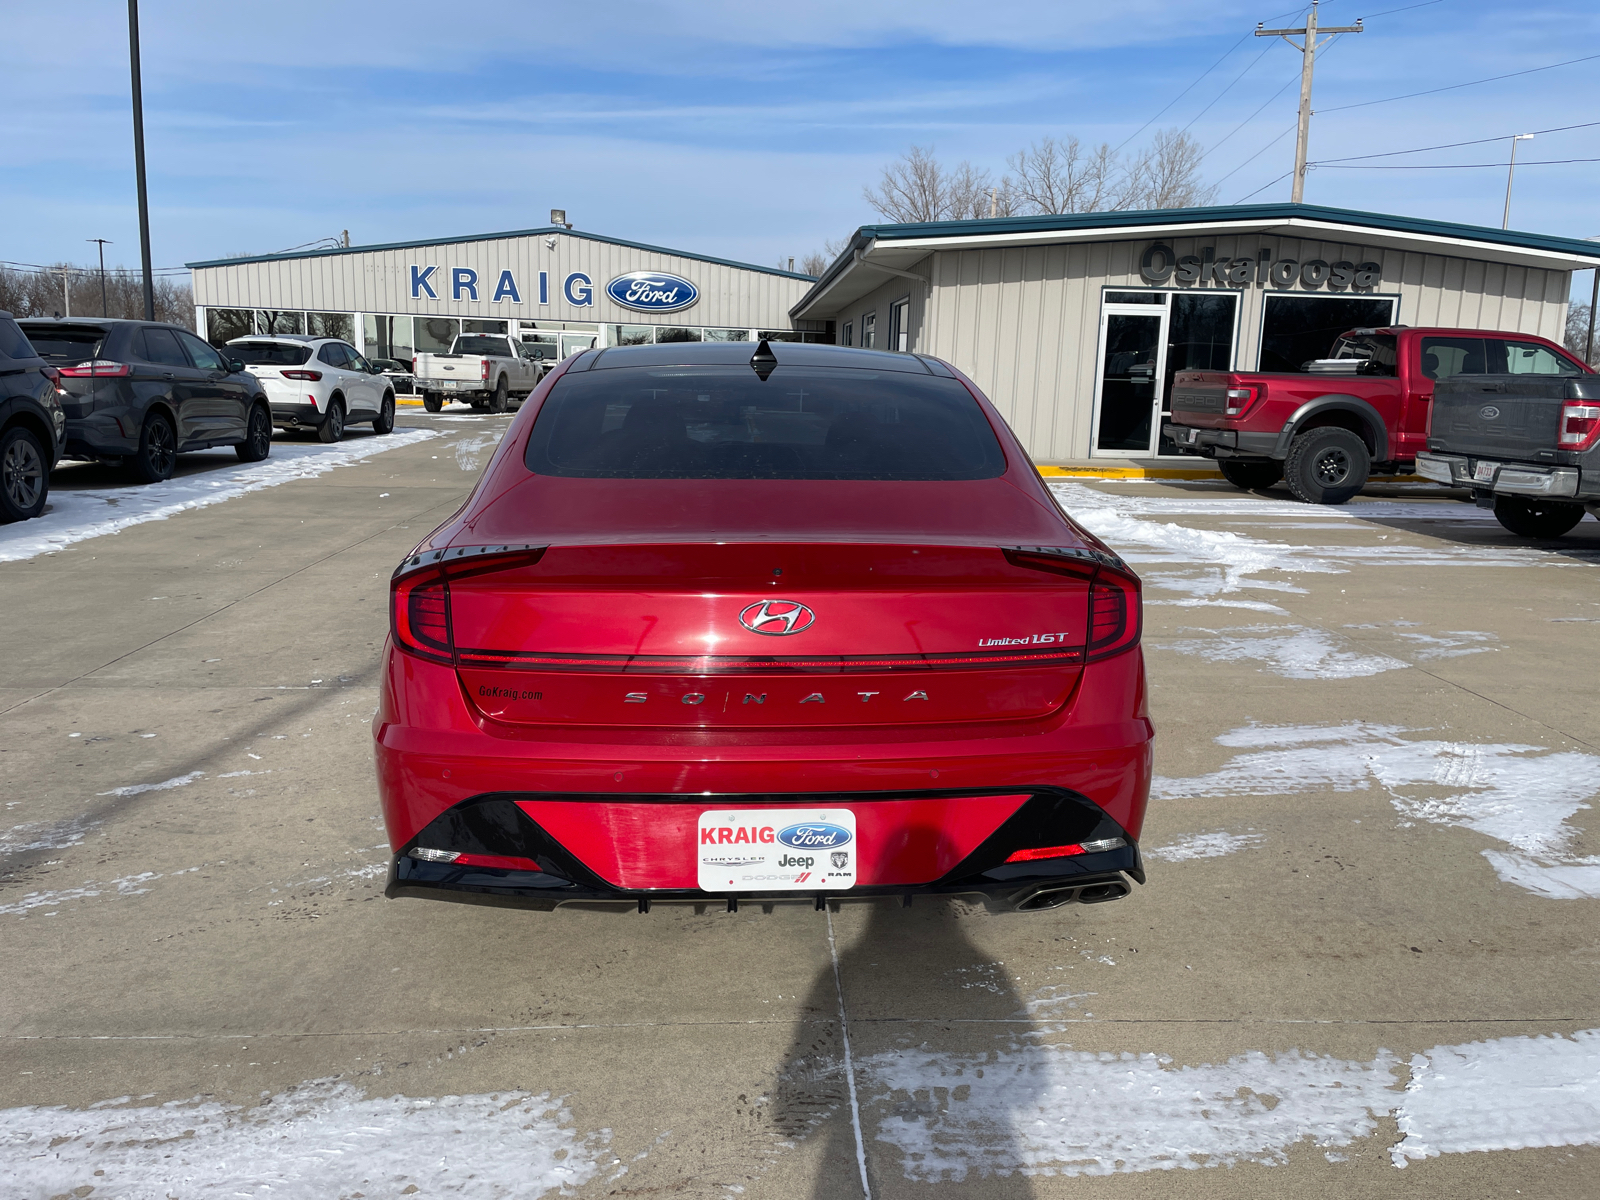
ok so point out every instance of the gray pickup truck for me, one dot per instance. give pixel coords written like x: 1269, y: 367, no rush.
x: 1527, y: 445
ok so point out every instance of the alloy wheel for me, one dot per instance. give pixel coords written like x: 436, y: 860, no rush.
x: 159, y: 449
x: 23, y: 470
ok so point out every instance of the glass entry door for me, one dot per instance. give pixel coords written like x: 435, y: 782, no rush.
x: 1133, y: 342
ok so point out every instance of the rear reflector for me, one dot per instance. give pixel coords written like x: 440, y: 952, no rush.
x: 99, y: 368
x: 1095, y: 847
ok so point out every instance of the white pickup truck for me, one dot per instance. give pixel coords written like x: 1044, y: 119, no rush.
x: 487, y: 369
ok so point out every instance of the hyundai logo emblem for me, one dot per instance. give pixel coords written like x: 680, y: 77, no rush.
x: 1488, y: 412
x: 777, y: 617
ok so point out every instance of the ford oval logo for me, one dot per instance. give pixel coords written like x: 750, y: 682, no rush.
x: 652, y: 291
x: 1488, y: 412
x: 814, y: 835
x: 776, y: 617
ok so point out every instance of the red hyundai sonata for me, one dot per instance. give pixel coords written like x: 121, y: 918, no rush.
x: 803, y: 625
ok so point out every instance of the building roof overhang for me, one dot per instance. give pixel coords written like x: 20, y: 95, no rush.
x: 877, y: 252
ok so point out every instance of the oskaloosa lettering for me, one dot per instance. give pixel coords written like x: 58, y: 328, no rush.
x: 1160, y: 263
x: 776, y: 850
x: 652, y: 291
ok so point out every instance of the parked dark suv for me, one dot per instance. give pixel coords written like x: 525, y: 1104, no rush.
x: 32, y: 424
x: 142, y: 392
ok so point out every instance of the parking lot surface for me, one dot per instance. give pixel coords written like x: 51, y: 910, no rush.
x: 1365, y: 964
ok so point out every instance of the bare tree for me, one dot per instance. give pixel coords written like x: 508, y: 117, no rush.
x: 819, y: 261
x: 1058, y: 177
x: 1576, y: 337
x: 917, y: 187
x: 1166, y: 175
x: 38, y: 293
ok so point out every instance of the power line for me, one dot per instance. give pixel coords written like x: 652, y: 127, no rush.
x: 1408, y: 8
x: 1227, y: 89
x: 1548, y: 162
x: 1470, y: 83
x: 1452, y: 145
x: 1182, y: 94
x: 1252, y: 158
x: 6, y: 263
x: 1265, y: 186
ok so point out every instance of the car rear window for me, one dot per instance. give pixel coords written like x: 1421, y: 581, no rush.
x: 66, y: 343
x: 13, y: 342
x: 483, y: 345
x: 727, y: 423
x: 269, y: 354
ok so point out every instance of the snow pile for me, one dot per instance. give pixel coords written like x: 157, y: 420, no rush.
x: 318, y: 1140
x: 1204, y: 845
x: 1520, y: 795
x: 74, y: 515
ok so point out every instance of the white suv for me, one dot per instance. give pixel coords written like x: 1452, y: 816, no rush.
x: 317, y: 383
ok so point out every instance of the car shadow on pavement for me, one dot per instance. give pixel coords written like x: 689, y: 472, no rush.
x: 914, y: 988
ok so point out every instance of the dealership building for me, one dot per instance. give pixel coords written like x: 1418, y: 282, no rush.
x: 1075, y: 325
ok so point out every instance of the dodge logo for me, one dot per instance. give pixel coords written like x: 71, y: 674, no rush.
x: 1488, y: 412
x: 777, y: 617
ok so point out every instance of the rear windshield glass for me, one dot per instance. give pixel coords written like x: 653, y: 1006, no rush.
x: 13, y: 342
x: 483, y: 345
x: 67, y: 344
x: 1376, y: 351
x: 725, y: 423
x: 268, y: 354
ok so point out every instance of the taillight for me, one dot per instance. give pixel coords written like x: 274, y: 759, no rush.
x: 1580, y: 425
x: 1115, y: 614
x: 413, y: 366
x: 419, y: 595
x: 484, y: 365
x: 312, y: 375
x: 98, y: 368
x: 1239, y: 399
x: 420, y: 615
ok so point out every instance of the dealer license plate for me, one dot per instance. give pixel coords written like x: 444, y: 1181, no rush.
x: 777, y: 849
x: 1484, y: 472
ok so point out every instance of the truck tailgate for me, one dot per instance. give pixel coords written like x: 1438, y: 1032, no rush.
x: 1504, y: 416
x: 466, y: 367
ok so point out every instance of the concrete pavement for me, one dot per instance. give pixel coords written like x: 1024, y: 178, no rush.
x: 1371, y: 868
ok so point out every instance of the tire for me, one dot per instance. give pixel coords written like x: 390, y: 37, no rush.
x: 432, y: 401
x: 497, y: 403
x: 332, y: 427
x: 1536, y: 518
x: 157, y: 454
x: 257, y: 442
x: 1328, y: 465
x: 24, y: 475
x: 1250, y: 476
x: 385, y: 421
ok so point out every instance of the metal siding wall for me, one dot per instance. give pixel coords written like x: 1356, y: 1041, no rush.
x: 379, y: 282
x: 1024, y: 323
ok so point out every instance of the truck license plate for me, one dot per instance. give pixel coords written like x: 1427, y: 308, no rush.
x: 1484, y: 472
x: 777, y: 849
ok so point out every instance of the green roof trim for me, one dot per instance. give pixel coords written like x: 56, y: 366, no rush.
x: 1220, y: 214
x: 542, y: 231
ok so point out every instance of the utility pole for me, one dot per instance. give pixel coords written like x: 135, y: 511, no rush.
x: 66, y: 292
x: 104, y: 309
x: 1308, y: 50
x: 1505, y: 221
x: 138, y: 158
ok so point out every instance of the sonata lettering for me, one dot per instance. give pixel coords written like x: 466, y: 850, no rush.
x: 1160, y: 264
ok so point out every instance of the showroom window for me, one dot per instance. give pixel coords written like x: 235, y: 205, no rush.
x: 476, y: 326
x: 726, y: 335
x: 779, y: 335
x: 435, y: 335
x: 900, y: 326
x: 225, y: 324
x: 388, y: 337
x: 332, y: 325
x: 631, y: 335
x: 1296, y: 329
x: 673, y: 333
x: 869, y: 327
x: 272, y: 321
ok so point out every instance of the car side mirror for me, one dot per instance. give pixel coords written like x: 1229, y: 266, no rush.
x: 236, y: 365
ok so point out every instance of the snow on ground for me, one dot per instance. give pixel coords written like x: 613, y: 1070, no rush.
x: 74, y: 515
x: 1293, y: 651
x: 1052, y: 1110
x: 319, y: 1140
x: 1204, y: 845
x: 1522, y: 796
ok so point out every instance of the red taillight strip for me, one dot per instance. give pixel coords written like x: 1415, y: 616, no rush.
x: 729, y: 664
x: 470, y: 556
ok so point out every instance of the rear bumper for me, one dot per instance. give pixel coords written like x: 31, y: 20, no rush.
x: 1506, y: 478
x: 899, y: 855
x: 97, y: 435
x: 297, y: 416
x: 453, y: 387
x: 1223, y: 443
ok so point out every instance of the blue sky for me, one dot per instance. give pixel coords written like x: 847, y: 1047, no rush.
x: 737, y: 129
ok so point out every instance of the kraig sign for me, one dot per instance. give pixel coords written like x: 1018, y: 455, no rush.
x: 1161, y: 263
